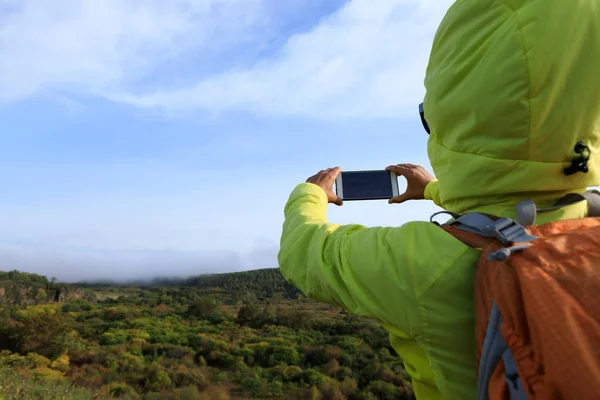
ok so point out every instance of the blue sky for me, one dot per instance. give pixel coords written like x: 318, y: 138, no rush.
x: 164, y: 138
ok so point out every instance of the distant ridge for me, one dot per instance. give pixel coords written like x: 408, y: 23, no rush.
x: 266, y: 282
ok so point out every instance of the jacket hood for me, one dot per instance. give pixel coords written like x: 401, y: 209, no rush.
x: 511, y: 87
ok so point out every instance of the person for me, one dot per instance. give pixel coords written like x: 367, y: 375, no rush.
x: 512, y: 108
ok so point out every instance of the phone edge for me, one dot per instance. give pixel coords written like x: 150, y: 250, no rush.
x: 339, y: 187
x: 395, y: 189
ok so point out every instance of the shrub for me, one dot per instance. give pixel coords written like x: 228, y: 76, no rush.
x: 331, y: 353
x: 23, y: 387
x: 156, y: 379
x: 285, y: 373
x: 44, y: 332
x: 330, y: 390
x: 122, y: 391
x: 45, y: 374
x: 189, y: 393
x: 311, y: 377
x: 384, y: 390
x: 34, y: 360
x: 183, y: 376
x: 202, y: 308
x: 331, y: 368
x: 348, y: 387
x: 41, y: 295
x: 76, y: 306
x: 61, y: 363
x: 215, y: 392
x: 283, y: 355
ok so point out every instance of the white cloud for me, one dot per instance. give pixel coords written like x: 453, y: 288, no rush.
x: 93, y: 46
x: 365, y: 61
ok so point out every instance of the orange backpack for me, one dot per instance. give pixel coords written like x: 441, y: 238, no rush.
x: 537, y: 302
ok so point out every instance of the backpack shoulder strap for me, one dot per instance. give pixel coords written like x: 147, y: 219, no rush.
x: 480, y: 231
x: 591, y: 196
x: 505, y: 230
x: 527, y: 211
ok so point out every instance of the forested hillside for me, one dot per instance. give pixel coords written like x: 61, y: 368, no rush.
x: 217, y: 337
x: 261, y: 283
x: 22, y: 288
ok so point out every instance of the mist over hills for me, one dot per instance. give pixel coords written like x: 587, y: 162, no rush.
x: 262, y: 282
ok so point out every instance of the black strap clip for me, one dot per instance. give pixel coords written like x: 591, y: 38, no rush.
x: 580, y: 163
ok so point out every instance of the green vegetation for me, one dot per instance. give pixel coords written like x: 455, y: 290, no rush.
x: 22, y: 288
x: 234, y: 336
x: 264, y: 283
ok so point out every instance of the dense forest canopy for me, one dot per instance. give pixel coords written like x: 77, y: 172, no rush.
x: 246, y: 335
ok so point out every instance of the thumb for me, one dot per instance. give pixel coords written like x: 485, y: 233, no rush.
x: 400, y: 199
x: 338, y: 201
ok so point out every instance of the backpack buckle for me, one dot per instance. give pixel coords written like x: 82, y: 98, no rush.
x: 504, y: 253
x: 507, y: 231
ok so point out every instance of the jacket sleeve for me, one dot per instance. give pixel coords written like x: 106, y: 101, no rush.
x: 432, y: 192
x: 364, y: 270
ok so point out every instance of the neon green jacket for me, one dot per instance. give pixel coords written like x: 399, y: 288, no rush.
x: 512, y: 86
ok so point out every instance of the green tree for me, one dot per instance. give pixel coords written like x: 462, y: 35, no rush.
x: 202, y: 308
x: 41, y: 295
x: 44, y: 332
x: 248, y: 314
x: 157, y: 379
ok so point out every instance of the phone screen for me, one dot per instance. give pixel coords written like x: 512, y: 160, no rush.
x: 366, y: 185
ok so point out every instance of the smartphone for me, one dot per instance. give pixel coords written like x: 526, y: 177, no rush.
x: 367, y: 185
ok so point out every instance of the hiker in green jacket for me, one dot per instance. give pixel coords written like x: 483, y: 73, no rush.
x: 511, y: 88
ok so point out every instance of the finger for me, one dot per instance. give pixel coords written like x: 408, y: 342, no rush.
x: 335, y: 171
x: 338, y: 201
x: 399, y: 199
x: 315, y: 177
x: 400, y: 169
x: 402, y: 166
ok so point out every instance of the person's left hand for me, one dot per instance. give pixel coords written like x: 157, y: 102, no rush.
x: 417, y: 179
x: 325, y: 180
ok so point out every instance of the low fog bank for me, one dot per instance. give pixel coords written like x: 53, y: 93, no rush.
x: 122, y: 266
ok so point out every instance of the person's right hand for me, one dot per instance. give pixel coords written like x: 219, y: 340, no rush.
x: 325, y: 180
x: 417, y: 179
